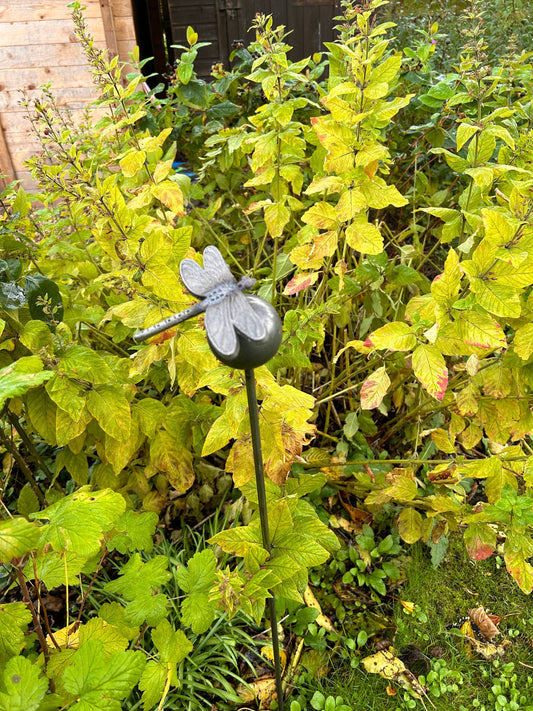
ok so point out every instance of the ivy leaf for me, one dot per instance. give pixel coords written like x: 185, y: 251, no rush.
x: 374, y: 389
x: 134, y: 532
x: 14, y: 619
x: 16, y: 379
x: 430, y: 368
x: 24, y: 685
x: 17, y: 536
x: 196, y: 580
x: 100, y: 682
x: 78, y: 522
x: 139, y: 584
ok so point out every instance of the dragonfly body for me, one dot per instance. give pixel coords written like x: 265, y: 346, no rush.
x: 226, y: 308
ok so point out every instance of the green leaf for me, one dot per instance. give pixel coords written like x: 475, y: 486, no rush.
x: 430, y: 368
x: 14, y: 619
x: 99, y: 682
x: 135, y: 531
x: 151, y: 414
x: 44, y: 299
x: 465, y: 131
x: 16, y: 379
x: 78, y: 522
x: 12, y: 296
x: 17, y: 537
x: 152, y: 683
x: 374, y: 389
x: 27, y: 501
x: 67, y: 395
x: 24, y: 685
x: 36, y: 335
x: 51, y: 568
x: 110, y: 636
x: 83, y: 363
x: 138, y: 583
x: 396, y: 336
x: 110, y: 408
x: 196, y: 580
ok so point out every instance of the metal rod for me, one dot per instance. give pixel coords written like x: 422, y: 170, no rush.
x: 263, y: 515
x: 193, y: 310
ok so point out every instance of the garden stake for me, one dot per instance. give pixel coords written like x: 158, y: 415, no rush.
x: 244, y: 332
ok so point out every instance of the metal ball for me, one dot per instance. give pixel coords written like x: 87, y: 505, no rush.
x: 252, y: 354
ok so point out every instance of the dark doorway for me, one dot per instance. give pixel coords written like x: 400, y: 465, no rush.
x: 223, y: 22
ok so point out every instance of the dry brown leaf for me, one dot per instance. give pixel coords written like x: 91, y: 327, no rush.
x: 479, y: 617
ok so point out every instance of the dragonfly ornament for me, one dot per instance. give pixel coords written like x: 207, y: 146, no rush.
x: 228, y: 312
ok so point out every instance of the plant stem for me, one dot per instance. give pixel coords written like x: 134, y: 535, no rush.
x: 23, y: 466
x: 263, y: 516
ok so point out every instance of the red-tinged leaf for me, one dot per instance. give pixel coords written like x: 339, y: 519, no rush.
x: 430, y: 368
x: 480, y: 541
x: 170, y: 195
x: 374, y: 389
x: 300, y: 282
x: 518, y: 548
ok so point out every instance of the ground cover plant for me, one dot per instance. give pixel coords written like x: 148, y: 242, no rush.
x: 383, y: 198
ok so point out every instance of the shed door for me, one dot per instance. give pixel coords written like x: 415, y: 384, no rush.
x: 222, y: 22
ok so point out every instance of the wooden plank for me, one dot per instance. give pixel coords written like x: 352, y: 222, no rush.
x: 13, y: 34
x: 75, y: 98
x: 124, y: 29
x: 6, y: 163
x: 109, y: 26
x: 34, y: 77
x: 17, y: 122
x: 26, y: 10
x: 45, y: 55
x: 122, y: 8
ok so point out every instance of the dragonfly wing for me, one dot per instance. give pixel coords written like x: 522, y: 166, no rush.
x: 195, y: 278
x: 214, y: 264
x: 244, y: 318
x: 220, y: 328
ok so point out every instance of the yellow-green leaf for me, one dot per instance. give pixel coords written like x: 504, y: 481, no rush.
x: 170, y: 195
x: 132, y: 162
x: 430, y: 368
x: 396, y: 336
x: 364, y: 237
x: 374, y: 389
x: 410, y: 525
